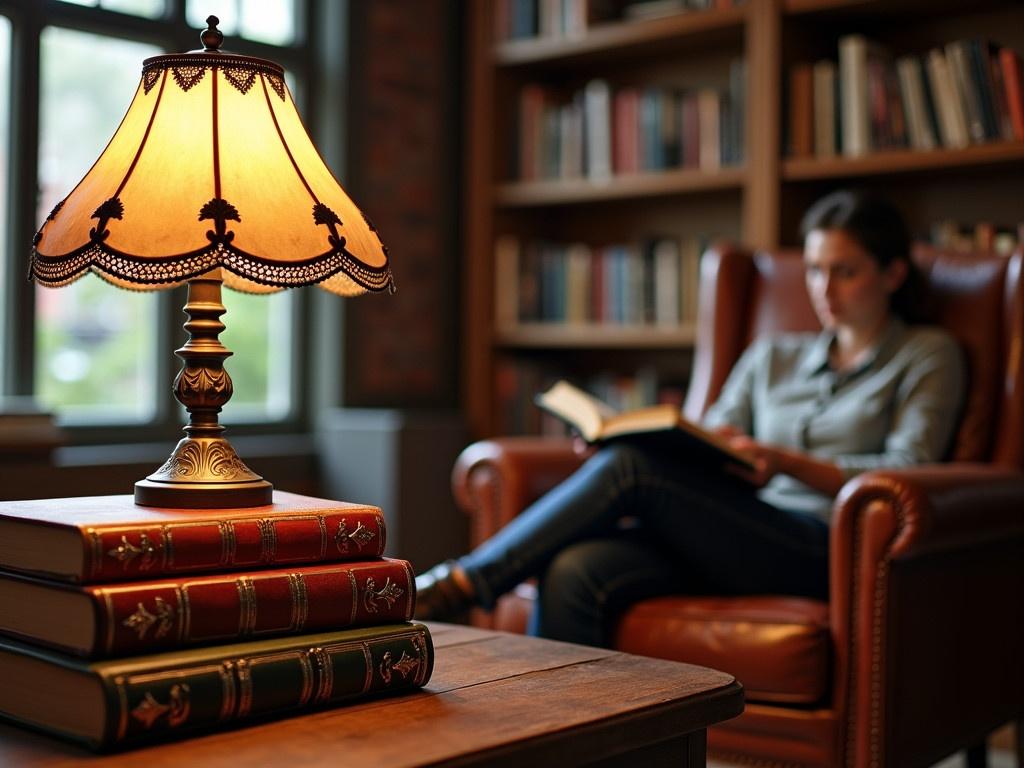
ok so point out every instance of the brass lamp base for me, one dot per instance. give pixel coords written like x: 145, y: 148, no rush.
x: 203, y: 471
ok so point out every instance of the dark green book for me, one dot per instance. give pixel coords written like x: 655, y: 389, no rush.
x: 147, y: 698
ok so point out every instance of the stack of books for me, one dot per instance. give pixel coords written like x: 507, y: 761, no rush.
x: 124, y: 624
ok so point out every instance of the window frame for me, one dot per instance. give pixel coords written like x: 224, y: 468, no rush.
x: 28, y: 19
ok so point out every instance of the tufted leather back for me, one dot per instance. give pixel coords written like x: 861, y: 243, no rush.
x: 977, y: 298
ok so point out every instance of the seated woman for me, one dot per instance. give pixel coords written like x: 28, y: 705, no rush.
x: 810, y: 411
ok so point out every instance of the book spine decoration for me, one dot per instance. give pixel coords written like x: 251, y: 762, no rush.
x: 155, y: 704
x: 145, y: 618
x: 121, y: 553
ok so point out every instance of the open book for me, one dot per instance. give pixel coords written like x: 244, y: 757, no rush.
x: 597, y: 422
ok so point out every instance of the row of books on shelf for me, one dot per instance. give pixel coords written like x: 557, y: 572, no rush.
x: 524, y: 19
x: 123, y: 624
x: 600, y: 130
x: 519, y: 383
x: 966, y: 92
x: 653, y: 282
x: 980, y: 237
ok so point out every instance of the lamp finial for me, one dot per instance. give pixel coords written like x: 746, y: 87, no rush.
x: 211, y: 37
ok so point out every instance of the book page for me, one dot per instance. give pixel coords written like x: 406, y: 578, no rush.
x: 583, y: 411
x: 652, y: 418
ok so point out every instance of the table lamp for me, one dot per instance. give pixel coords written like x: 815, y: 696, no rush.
x: 211, y: 178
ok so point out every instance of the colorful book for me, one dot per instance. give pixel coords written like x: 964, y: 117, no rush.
x: 1009, y: 62
x: 709, y: 115
x: 968, y: 94
x: 161, y: 696
x: 823, y: 75
x: 912, y: 91
x: 625, y: 132
x: 853, y: 87
x: 801, y: 110
x: 96, y: 539
x: 111, y: 620
x: 952, y: 120
x: 597, y: 106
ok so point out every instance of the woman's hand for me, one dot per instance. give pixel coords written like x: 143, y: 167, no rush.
x: 727, y: 431
x: 771, y: 460
x: 767, y: 459
x: 581, y: 447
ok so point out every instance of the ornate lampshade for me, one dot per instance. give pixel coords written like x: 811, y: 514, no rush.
x: 211, y: 177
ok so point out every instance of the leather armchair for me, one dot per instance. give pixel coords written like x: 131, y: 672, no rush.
x: 919, y: 651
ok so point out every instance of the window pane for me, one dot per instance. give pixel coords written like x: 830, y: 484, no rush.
x: 196, y: 12
x: 268, y: 21
x: 95, y: 344
x: 150, y: 8
x: 5, y: 105
x: 95, y: 347
x: 259, y: 334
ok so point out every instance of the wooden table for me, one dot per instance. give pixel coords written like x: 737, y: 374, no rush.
x: 494, y: 699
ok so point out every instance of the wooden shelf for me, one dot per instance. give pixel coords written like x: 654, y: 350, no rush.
x: 620, y: 36
x: 885, y: 8
x: 594, y: 336
x: 621, y: 187
x: 900, y: 161
x: 818, y: 6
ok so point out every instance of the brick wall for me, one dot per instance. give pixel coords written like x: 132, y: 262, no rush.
x: 404, y: 121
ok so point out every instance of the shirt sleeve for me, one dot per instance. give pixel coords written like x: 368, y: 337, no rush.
x: 928, y: 402
x: 735, y: 404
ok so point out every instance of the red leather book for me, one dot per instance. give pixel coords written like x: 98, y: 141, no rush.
x: 691, y: 130
x: 801, y: 110
x: 95, y: 539
x: 1010, y: 63
x: 625, y: 131
x: 168, y: 695
x: 112, y: 620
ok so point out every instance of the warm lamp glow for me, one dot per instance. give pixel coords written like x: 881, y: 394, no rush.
x: 210, y: 167
x: 210, y: 178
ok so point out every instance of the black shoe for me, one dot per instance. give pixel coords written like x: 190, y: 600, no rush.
x: 441, y: 593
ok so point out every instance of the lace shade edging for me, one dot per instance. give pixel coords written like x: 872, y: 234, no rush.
x: 127, y: 269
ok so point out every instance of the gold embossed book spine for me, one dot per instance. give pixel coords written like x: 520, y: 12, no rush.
x: 103, y: 539
x: 163, y: 614
x: 149, y: 698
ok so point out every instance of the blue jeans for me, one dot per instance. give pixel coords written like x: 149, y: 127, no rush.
x: 633, y: 523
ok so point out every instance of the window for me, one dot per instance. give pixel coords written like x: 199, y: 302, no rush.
x: 259, y: 332
x: 268, y: 21
x: 5, y: 170
x: 95, y: 344
x: 102, y: 356
x: 152, y: 9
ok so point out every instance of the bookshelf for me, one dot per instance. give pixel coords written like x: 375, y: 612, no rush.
x: 541, y: 336
x: 758, y: 200
x: 898, y: 161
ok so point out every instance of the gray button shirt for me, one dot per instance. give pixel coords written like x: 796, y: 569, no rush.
x: 898, y: 407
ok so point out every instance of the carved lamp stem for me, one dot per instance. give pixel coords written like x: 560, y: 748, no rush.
x: 203, y: 470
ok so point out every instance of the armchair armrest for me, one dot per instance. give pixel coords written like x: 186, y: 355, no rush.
x: 493, y: 480
x: 919, y: 553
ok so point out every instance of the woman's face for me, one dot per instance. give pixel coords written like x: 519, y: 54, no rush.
x: 848, y: 288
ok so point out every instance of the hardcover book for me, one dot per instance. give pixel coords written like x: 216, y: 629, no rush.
x: 148, y: 698
x: 596, y: 422
x: 96, y: 539
x: 149, y: 616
